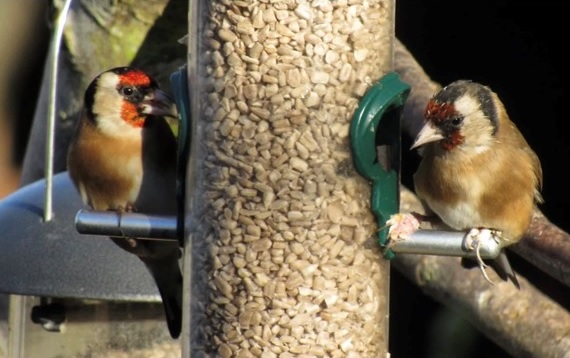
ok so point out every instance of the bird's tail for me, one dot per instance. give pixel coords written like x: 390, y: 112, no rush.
x: 168, y: 278
x: 501, y: 265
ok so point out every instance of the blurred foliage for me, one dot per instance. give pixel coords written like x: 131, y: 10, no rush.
x: 101, y: 35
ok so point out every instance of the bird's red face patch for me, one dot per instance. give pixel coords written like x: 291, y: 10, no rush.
x: 438, y: 112
x: 441, y: 114
x: 454, y: 139
x: 131, y: 115
x: 135, y: 78
x: 129, y: 111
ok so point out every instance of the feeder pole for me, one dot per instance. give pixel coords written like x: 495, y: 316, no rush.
x: 52, y: 107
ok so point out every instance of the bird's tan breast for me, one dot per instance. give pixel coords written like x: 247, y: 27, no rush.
x: 483, y: 190
x: 108, y: 170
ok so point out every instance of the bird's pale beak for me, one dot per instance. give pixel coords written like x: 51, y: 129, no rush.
x: 159, y: 103
x: 428, y: 134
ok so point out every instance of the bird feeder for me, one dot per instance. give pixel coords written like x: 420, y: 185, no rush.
x: 280, y: 235
x: 288, y: 168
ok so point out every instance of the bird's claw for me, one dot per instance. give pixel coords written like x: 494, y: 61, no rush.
x: 473, y: 242
x: 401, y: 227
x: 128, y: 208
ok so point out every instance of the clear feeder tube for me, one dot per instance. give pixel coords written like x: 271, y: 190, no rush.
x: 284, y: 258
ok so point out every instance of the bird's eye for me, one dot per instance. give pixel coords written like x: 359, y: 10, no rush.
x: 457, y: 121
x: 127, y: 91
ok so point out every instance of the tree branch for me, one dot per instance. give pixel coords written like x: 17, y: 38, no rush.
x: 547, y: 247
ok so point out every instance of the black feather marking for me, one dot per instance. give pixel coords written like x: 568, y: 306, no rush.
x: 89, y: 99
x: 482, y: 93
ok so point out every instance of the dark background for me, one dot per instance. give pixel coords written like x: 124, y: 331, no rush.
x: 517, y: 49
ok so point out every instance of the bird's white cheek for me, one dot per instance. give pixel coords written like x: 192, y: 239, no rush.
x: 479, y: 149
x: 113, y: 126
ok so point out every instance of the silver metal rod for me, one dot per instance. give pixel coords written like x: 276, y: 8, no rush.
x: 50, y: 133
x: 444, y: 243
x: 141, y: 226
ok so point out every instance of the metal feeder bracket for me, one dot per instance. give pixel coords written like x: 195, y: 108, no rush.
x: 376, y: 150
x: 140, y: 225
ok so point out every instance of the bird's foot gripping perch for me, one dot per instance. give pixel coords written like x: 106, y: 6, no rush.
x: 475, y: 239
x: 402, y: 226
x: 128, y: 208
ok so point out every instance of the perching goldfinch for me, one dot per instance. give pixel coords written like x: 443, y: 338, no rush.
x: 123, y: 158
x: 477, y: 171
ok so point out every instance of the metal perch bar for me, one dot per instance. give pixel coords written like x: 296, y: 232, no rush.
x: 141, y: 226
x: 444, y: 243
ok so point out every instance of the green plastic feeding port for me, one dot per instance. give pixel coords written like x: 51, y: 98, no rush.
x: 375, y: 143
